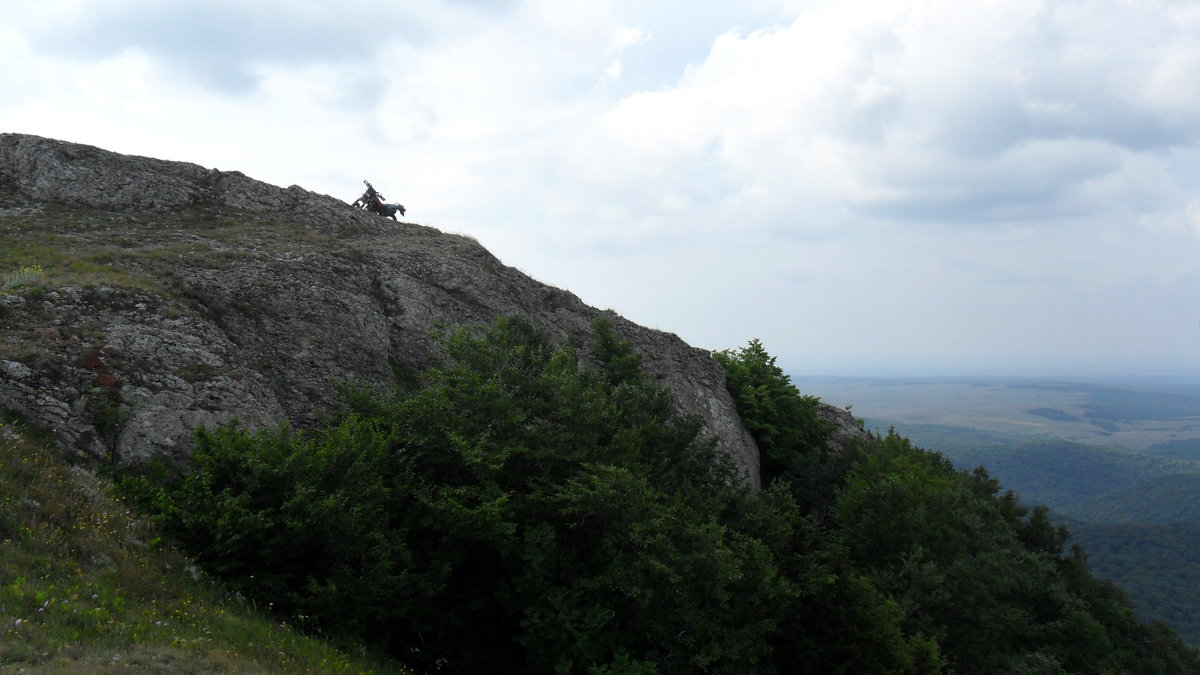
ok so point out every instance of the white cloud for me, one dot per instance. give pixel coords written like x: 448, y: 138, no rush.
x: 1186, y: 219
x: 957, y: 114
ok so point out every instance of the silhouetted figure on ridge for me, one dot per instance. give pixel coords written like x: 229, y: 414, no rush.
x: 372, y: 201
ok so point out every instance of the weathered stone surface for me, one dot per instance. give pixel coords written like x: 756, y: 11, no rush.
x: 255, y: 301
x: 56, y: 171
x: 846, y: 429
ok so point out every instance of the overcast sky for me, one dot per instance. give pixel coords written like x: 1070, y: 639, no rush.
x: 874, y: 187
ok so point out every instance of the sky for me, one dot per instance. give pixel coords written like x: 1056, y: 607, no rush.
x: 868, y: 187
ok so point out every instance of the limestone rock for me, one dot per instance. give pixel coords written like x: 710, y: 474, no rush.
x: 846, y: 429
x: 207, y: 296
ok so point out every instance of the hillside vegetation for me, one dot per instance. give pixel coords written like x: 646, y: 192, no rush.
x: 1154, y: 563
x: 1188, y: 449
x: 1136, y: 514
x: 516, y: 511
x: 87, y: 588
x: 1174, y: 498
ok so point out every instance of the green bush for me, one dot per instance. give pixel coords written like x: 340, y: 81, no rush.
x: 516, y: 511
x: 785, y: 424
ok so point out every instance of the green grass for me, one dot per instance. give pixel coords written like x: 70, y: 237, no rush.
x: 84, y: 587
x: 24, y: 275
x: 82, y: 246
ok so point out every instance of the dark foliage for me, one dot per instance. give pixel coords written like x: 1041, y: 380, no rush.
x: 516, y: 513
x: 1154, y: 563
x: 785, y: 424
x: 1134, y: 513
x: 989, y: 581
x: 1174, y: 498
x: 968, y: 568
x: 519, y: 512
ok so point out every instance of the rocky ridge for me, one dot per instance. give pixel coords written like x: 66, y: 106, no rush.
x: 176, y: 295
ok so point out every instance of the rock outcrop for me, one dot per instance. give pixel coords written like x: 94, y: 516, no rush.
x: 176, y: 295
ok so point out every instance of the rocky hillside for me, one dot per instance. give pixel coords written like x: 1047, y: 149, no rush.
x: 143, y: 297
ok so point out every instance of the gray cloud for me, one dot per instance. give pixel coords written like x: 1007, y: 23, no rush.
x: 1025, y: 128
x: 220, y: 43
x: 989, y: 117
x: 1033, y: 181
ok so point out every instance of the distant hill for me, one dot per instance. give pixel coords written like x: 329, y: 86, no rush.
x: 1135, y: 413
x: 1060, y: 473
x: 1188, y: 448
x: 1160, y: 499
x: 943, y: 437
x: 1055, y: 473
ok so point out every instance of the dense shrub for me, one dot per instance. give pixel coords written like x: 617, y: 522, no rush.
x: 785, y: 424
x: 517, y: 511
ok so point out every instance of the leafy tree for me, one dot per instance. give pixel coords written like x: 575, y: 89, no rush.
x: 843, y: 623
x: 790, y: 433
x: 300, y: 524
x: 620, y: 363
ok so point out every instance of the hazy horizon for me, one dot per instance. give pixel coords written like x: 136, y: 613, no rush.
x: 1032, y: 377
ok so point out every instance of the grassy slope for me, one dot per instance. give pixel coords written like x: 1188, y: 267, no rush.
x: 81, y: 591
x: 86, y: 247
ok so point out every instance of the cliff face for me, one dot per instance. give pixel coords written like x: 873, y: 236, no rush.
x: 171, y: 296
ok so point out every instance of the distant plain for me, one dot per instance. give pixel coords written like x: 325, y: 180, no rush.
x: 1130, y: 413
